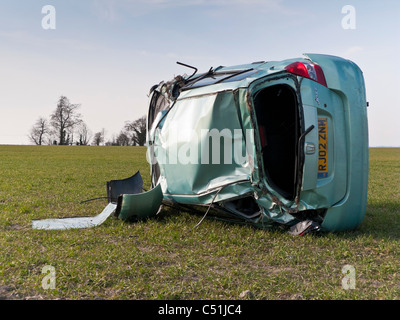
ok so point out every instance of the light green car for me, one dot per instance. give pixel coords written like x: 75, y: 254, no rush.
x: 281, y: 143
x: 267, y: 143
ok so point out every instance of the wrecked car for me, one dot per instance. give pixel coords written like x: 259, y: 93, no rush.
x: 267, y: 143
x: 278, y: 143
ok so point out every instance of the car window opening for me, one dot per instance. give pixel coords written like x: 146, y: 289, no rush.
x: 278, y: 121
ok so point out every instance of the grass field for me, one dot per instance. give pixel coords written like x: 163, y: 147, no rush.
x: 165, y: 258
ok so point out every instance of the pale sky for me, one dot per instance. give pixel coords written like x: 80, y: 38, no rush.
x: 106, y: 54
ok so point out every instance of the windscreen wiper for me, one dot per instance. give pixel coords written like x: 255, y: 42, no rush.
x: 210, y: 73
x: 186, y: 65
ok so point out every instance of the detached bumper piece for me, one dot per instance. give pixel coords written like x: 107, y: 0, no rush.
x: 76, y: 222
x: 125, y: 201
x: 132, y: 204
x: 132, y: 185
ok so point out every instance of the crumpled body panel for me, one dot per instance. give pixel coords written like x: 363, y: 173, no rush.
x: 186, y: 148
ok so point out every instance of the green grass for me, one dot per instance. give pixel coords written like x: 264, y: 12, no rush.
x: 165, y: 258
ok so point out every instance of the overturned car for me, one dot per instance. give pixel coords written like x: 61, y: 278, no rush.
x: 268, y: 143
x: 280, y: 142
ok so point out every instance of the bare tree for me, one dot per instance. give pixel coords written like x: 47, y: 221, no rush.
x: 38, y: 131
x: 138, y: 129
x: 123, y: 139
x: 98, y: 138
x: 64, y: 119
x: 84, y: 134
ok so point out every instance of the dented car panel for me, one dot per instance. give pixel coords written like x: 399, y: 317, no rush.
x: 139, y: 206
x: 265, y: 143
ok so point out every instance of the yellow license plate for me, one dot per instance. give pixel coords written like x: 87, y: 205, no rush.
x: 322, y: 147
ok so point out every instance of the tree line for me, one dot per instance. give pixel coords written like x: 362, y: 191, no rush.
x: 65, y: 126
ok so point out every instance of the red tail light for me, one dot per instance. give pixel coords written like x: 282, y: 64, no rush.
x: 307, y: 70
